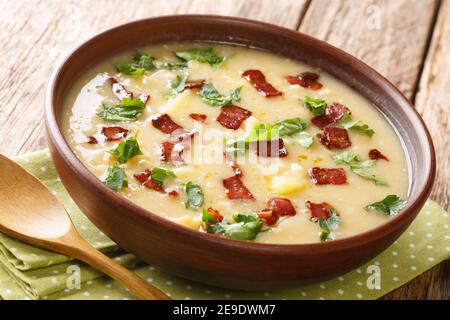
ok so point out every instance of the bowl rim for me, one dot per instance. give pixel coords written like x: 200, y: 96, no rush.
x: 133, y: 210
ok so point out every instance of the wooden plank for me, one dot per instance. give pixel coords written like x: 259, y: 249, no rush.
x: 390, y: 36
x: 35, y: 34
x: 433, y: 102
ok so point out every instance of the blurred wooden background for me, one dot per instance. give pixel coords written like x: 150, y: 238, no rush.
x: 408, y: 41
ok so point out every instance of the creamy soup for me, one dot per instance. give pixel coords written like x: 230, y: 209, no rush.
x: 237, y: 142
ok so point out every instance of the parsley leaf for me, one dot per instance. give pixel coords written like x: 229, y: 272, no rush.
x: 126, y: 150
x: 304, y: 139
x: 195, y: 196
x: 127, y: 110
x: 329, y: 225
x: 159, y: 175
x: 203, y: 55
x: 211, y: 96
x: 141, y: 63
x: 245, y: 227
x: 116, y: 179
x: 391, y: 205
x: 358, y: 166
x: 179, y: 83
x: 347, y: 122
x: 315, y: 105
x: 291, y: 126
x: 170, y: 65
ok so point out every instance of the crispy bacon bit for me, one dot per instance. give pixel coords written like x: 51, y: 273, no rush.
x: 258, y: 80
x: 268, y: 216
x: 306, y: 80
x: 272, y: 148
x: 198, y: 117
x: 328, y: 176
x: 375, y: 154
x: 333, y: 113
x: 165, y: 124
x: 114, y: 133
x: 334, y: 138
x: 215, y: 214
x: 232, y: 117
x: 144, y: 97
x: 92, y: 140
x: 173, y: 193
x: 194, y: 84
x: 320, y: 211
x: 119, y: 90
x: 171, y: 152
x: 233, y: 164
x: 235, y: 189
x: 145, y: 179
x: 280, y: 206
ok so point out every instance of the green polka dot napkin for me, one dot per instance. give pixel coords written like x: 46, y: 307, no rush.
x: 28, y: 272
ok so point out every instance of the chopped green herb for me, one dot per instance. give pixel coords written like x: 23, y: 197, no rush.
x: 315, y: 105
x: 245, y: 227
x: 304, y: 139
x: 358, y: 166
x: 195, y: 196
x: 130, y: 69
x: 391, y: 205
x: 159, y: 175
x: 179, y: 83
x: 347, y: 122
x: 329, y: 226
x: 201, y: 55
x: 127, y: 110
x: 116, y: 179
x: 211, y: 96
x: 170, y: 65
x: 126, y: 150
x: 291, y: 126
x: 141, y: 63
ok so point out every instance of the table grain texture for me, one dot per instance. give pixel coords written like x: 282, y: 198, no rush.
x: 406, y: 40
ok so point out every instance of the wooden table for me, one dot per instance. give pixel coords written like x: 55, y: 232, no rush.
x: 406, y: 40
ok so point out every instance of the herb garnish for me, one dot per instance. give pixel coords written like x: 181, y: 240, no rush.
x: 116, y: 179
x: 178, y: 83
x: 358, y: 166
x: 329, y: 226
x: 347, y: 122
x: 141, y: 63
x: 159, y: 175
x: 202, y: 55
x: 127, y: 110
x: 126, y: 150
x: 245, y: 227
x: 211, y: 96
x: 195, y: 196
x: 391, y: 205
x: 315, y: 105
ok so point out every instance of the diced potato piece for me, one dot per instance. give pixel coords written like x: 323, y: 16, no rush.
x: 290, y: 181
x: 185, y: 172
x: 181, y: 102
x: 188, y: 221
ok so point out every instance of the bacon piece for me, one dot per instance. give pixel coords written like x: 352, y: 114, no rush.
x: 194, y: 84
x: 235, y: 189
x: 144, y: 97
x: 215, y: 214
x: 165, y: 124
x: 171, y: 152
x: 114, y: 133
x: 232, y: 116
x: 92, y: 140
x: 173, y: 193
x: 375, y: 154
x: 320, y: 211
x: 328, y: 176
x: 198, y: 117
x: 119, y: 90
x: 268, y: 217
x: 233, y: 164
x: 333, y: 113
x: 258, y: 80
x: 280, y: 207
x: 272, y: 148
x: 145, y: 179
x: 334, y: 138
x: 306, y: 80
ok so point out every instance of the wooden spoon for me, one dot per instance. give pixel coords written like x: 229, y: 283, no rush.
x: 29, y: 212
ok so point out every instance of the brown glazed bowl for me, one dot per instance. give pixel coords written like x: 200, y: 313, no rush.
x: 209, y: 258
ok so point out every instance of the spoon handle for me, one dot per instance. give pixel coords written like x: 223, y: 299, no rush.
x: 138, y: 286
